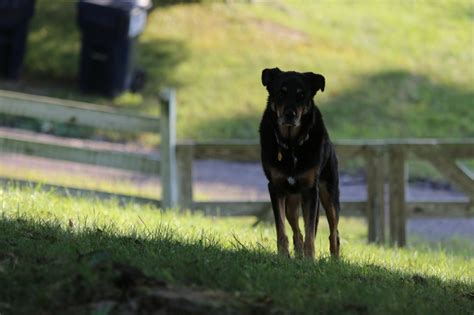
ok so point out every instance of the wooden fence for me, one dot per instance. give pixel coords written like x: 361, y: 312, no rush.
x: 385, y: 162
x: 385, y: 165
x: 100, y: 117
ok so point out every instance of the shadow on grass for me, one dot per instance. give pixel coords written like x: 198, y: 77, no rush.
x: 397, y: 104
x: 159, y: 58
x: 48, y: 269
x: 242, y: 126
x: 387, y: 104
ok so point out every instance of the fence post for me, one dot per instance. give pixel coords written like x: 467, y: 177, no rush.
x: 397, y: 182
x: 184, y: 161
x: 375, y: 171
x: 168, y: 149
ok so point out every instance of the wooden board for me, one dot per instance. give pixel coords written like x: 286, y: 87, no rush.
x: 397, y: 181
x: 450, y: 148
x: 168, y: 150
x: 375, y: 172
x: 74, y: 113
x: 440, y: 208
x: 448, y: 168
x: 123, y: 160
x: 253, y: 208
x: 249, y: 150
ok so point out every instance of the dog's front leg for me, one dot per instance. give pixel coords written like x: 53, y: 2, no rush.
x: 292, y: 204
x: 310, y: 205
x: 278, y: 204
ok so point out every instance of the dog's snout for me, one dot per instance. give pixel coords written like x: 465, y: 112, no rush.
x: 290, y: 113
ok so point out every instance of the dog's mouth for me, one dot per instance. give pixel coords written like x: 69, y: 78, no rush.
x: 289, y: 122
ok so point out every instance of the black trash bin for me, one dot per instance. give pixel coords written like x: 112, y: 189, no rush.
x: 14, y: 18
x: 110, y: 29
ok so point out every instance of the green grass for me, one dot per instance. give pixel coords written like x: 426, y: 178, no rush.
x: 393, y: 69
x: 60, y: 253
x: 74, y: 180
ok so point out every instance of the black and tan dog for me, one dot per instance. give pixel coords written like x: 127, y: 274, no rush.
x: 298, y: 159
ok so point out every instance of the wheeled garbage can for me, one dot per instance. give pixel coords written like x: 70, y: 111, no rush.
x: 110, y: 29
x: 14, y: 18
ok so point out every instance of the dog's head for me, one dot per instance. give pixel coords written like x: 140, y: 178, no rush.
x: 291, y: 93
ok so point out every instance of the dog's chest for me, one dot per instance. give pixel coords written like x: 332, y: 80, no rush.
x: 293, y: 181
x: 290, y: 171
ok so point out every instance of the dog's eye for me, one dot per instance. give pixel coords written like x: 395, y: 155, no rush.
x: 300, y: 95
x: 283, y: 90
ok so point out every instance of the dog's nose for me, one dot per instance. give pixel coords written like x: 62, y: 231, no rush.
x: 290, y: 113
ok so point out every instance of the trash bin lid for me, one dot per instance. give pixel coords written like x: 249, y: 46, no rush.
x: 116, y: 18
x: 126, y: 5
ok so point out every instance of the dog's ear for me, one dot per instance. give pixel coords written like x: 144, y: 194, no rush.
x: 268, y: 75
x: 315, y: 81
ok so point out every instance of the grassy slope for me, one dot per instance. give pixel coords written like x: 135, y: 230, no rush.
x: 54, y: 249
x: 393, y: 69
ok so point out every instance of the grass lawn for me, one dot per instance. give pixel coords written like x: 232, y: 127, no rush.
x: 61, y: 254
x: 74, y: 180
x: 393, y: 69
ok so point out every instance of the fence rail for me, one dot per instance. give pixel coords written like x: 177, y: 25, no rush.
x: 385, y: 161
x: 100, y: 117
x: 74, y: 113
x: 47, y: 149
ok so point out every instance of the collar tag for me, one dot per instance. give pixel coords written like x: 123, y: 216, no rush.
x: 279, y: 156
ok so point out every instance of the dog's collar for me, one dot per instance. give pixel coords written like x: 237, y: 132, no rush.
x: 285, y: 145
x: 280, y: 142
x: 300, y: 141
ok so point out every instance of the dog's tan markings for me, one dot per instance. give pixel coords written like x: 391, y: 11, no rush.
x: 307, y: 179
x: 309, y: 229
x: 282, y: 239
x: 277, y: 177
x: 293, y: 202
x: 299, y: 111
x: 289, y: 132
x: 279, y: 110
x: 331, y: 214
x: 279, y: 156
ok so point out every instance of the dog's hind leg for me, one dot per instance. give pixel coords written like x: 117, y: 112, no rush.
x: 278, y: 205
x: 330, y: 201
x: 310, y: 203
x: 293, y: 203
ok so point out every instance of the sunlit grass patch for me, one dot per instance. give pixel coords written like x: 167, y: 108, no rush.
x: 75, y: 180
x: 62, y: 238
